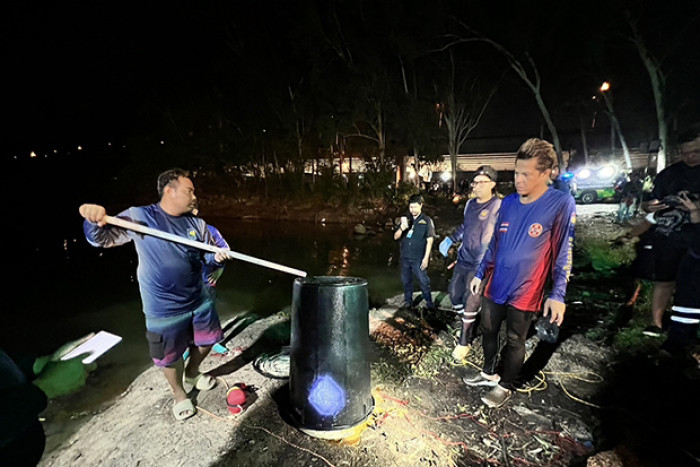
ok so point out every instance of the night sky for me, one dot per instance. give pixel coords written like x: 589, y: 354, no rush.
x: 89, y: 73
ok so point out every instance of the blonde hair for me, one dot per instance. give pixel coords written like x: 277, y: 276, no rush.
x: 541, y: 149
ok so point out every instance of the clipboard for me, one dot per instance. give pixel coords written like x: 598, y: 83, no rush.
x: 95, y: 346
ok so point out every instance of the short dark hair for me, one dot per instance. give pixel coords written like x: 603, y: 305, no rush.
x: 170, y: 176
x: 541, y: 149
x: 415, y: 199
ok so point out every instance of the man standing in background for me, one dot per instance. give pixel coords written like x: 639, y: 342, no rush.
x: 417, y: 234
x: 475, y: 234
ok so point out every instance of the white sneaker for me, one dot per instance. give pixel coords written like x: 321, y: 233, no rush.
x: 481, y: 379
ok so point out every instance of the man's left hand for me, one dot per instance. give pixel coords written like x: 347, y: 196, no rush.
x: 424, y: 264
x: 221, y: 256
x: 557, y: 308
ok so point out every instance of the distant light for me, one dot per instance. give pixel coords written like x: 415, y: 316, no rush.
x: 109, y: 144
x: 605, y: 86
x: 583, y: 174
x: 606, y: 171
x: 162, y: 142
x: 32, y: 154
x: 445, y: 176
x: 55, y: 151
x: 80, y: 148
x: 593, y: 97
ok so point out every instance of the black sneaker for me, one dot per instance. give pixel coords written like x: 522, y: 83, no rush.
x: 481, y: 379
x: 653, y: 331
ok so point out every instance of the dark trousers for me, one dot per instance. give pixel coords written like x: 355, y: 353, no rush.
x: 464, y: 302
x: 409, y: 268
x: 685, y: 317
x: 517, y: 325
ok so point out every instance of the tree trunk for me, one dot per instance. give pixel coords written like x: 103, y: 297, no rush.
x: 658, y: 87
x: 584, y: 139
x: 623, y: 142
x: 615, y: 126
x: 551, y: 127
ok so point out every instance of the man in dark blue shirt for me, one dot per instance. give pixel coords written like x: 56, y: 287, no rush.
x: 179, y: 312
x: 474, y: 233
x: 533, y: 241
x: 417, y: 235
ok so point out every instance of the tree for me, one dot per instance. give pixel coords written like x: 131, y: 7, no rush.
x: 465, y: 102
x: 655, y: 55
x: 526, y: 70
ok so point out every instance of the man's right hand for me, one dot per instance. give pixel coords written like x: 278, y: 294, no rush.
x: 475, y: 286
x: 94, y: 213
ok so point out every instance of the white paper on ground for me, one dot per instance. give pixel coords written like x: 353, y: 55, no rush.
x: 96, y: 346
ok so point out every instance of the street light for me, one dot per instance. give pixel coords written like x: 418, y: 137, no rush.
x: 605, y: 86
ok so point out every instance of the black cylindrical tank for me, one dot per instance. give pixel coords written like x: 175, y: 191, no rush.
x: 329, y: 377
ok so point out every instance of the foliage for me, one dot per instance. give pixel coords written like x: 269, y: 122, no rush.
x: 602, y: 256
x: 435, y: 359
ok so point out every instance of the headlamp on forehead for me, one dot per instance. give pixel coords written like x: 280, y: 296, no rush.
x: 486, y: 171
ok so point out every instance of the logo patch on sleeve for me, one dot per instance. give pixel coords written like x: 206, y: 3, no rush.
x: 192, y: 234
x: 535, y: 230
x: 483, y: 214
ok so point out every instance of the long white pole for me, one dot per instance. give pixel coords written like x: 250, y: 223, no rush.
x: 202, y: 246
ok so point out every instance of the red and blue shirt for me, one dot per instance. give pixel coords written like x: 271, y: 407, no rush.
x: 531, y: 242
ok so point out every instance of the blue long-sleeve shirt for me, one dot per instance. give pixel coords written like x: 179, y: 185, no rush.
x: 531, y: 241
x: 169, y: 274
x: 476, y: 231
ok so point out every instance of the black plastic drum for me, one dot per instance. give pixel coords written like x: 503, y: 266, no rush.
x: 329, y: 377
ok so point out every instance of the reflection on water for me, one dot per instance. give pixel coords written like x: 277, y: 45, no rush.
x: 67, y: 289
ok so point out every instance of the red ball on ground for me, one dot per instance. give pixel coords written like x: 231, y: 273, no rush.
x: 235, y: 396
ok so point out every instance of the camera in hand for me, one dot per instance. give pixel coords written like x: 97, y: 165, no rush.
x: 675, y: 200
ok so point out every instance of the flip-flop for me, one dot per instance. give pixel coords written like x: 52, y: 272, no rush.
x: 202, y: 382
x: 184, y: 410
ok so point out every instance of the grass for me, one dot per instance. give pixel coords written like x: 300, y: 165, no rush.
x: 602, y: 255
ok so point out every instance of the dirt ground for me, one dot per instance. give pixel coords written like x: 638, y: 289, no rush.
x: 600, y: 389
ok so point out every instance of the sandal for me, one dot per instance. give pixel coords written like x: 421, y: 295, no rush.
x: 184, y: 410
x: 202, y: 382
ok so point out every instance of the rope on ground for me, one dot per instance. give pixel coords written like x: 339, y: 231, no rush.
x: 540, y: 386
x: 575, y: 376
x: 542, y: 381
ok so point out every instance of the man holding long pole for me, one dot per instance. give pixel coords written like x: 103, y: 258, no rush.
x: 533, y: 239
x: 179, y: 312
